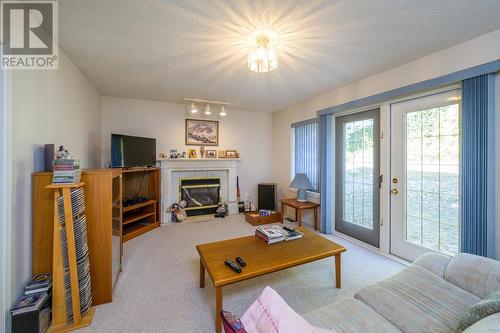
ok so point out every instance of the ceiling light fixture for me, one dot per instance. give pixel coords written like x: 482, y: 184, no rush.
x: 193, y: 108
x: 207, y: 110
x: 222, y: 111
x: 193, y: 105
x: 262, y: 55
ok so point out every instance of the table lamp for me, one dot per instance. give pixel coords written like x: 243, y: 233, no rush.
x: 302, y: 184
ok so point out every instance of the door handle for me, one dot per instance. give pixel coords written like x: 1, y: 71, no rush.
x: 394, y: 191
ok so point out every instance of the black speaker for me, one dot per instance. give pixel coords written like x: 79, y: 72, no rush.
x: 49, y: 156
x: 267, y: 196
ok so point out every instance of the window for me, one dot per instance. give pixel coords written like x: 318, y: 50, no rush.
x: 358, y: 172
x: 306, y: 150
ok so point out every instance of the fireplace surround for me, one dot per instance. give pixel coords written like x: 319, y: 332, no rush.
x: 172, y: 170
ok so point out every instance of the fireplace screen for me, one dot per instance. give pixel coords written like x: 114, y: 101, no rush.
x: 202, y: 195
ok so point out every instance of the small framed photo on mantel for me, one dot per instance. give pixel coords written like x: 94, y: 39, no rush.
x: 232, y: 154
x: 200, y: 132
x: 211, y: 154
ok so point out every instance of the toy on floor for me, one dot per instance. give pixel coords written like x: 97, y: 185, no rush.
x: 221, y: 211
x: 178, y: 212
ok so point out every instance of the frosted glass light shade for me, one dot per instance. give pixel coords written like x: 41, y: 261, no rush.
x: 207, y: 110
x: 262, y: 56
x: 222, y: 111
x: 193, y: 108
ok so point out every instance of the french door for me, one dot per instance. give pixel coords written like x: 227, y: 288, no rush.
x: 357, y: 174
x: 425, y: 174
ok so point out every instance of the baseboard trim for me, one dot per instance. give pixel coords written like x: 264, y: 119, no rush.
x: 371, y: 248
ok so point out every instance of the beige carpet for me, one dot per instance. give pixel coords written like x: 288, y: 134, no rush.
x: 158, y: 288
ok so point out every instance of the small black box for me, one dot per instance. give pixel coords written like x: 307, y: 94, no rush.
x: 36, y: 321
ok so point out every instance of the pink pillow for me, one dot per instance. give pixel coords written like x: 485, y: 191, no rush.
x: 270, y: 314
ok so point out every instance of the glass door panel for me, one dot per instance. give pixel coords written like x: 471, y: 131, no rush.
x: 357, y: 172
x: 432, y: 167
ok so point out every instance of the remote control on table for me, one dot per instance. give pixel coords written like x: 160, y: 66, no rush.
x: 240, y: 261
x: 291, y: 229
x: 232, y: 265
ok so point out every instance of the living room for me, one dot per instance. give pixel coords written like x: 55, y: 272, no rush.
x: 370, y: 129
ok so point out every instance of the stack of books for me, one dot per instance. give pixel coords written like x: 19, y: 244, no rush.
x: 274, y: 234
x: 31, y: 312
x: 66, y: 171
x: 38, y: 284
x: 29, y: 303
x: 270, y: 234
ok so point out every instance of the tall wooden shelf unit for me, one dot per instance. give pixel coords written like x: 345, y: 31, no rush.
x: 109, y: 222
x: 103, y: 212
x: 142, y: 216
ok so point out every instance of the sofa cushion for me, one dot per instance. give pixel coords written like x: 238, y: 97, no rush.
x: 478, y: 275
x: 417, y: 300
x: 490, y: 324
x: 484, y: 308
x: 435, y: 262
x: 350, y: 316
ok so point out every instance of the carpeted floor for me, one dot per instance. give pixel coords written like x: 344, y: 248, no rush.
x: 158, y: 289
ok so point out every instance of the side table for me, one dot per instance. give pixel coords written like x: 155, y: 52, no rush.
x: 299, y: 206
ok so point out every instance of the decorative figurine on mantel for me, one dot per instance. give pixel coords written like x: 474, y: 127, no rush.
x: 173, y: 153
x: 62, y: 154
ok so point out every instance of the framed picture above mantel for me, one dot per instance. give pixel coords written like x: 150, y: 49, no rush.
x: 200, y: 132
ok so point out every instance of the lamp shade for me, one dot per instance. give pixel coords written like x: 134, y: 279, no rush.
x: 301, y: 182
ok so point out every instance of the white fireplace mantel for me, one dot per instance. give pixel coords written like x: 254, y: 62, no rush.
x: 170, y: 165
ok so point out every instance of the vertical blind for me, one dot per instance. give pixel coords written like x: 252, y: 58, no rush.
x: 478, y: 166
x: 326, y: 164
x: 306, y: 155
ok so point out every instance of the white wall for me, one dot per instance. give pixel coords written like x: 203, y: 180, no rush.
x: 248, y: 132
x: 474, y: 52
x: 49, y: 106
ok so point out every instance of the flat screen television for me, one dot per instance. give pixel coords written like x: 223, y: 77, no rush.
x: 132, y: 151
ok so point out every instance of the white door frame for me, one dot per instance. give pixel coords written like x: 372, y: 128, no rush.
x: 5, y: 198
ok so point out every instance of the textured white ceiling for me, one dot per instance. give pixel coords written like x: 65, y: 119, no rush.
x: 168, y: 50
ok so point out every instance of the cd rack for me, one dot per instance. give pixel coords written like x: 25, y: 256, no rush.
x: 71, y: 289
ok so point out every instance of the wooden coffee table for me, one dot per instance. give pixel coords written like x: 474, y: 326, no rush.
x: 261, y: 259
